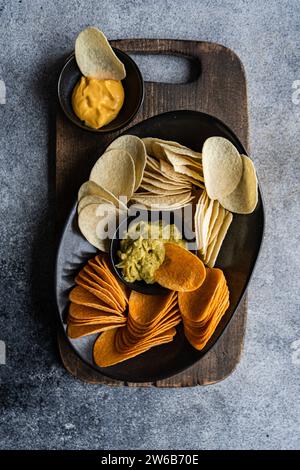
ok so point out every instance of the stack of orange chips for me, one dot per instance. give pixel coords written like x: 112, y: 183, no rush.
x: 98, y: 302
x: 151, y: 322
x: 203, y: 308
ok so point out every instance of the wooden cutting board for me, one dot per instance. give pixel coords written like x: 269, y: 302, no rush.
x: 220, y: 90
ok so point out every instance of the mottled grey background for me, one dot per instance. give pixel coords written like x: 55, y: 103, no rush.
x: 41, y: 405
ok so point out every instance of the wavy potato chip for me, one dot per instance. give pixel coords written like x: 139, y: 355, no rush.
x: 95, y: 57
x: 243, y: 199
x: 114, y: 171
x: 136, y: 148
x: 222, y: 167
x: 181, y: 270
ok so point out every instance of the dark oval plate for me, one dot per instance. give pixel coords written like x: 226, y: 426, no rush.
x: 237, y: 258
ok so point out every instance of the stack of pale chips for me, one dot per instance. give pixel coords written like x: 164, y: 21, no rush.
x: 171, y: 172
x: 212, y: 222
x: 113, y: 180
x: 185, y: 162
x: 203, y: 308
x: 98, y: 302
x: 151, y: 322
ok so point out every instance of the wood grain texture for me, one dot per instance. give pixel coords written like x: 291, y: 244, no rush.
x: 220, y: 90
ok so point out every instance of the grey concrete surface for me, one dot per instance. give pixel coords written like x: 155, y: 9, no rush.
x: 41, y: 406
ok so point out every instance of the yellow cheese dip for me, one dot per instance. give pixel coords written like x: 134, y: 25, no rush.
x: 97, y: 102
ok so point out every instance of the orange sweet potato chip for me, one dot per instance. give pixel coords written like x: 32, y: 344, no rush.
x: 105, y: 273
x: 81, y: 296
x: 85, y: 312
x: 145, y: 308
x: 106, y: 354
x: 97, y: 293
x: 181, y: 270
x: 97, y: 302
x: 151, y: 322
x: 203, y: 309
x: 77, y: 331
x: 113, y: 290
x: 193, y: 305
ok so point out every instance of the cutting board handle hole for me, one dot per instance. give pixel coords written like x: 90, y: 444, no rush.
x: 164, y: 68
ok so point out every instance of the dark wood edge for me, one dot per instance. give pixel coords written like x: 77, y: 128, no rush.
x: 196, y: 50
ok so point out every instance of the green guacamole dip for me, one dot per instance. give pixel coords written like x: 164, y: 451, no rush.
x: 142, y: 250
